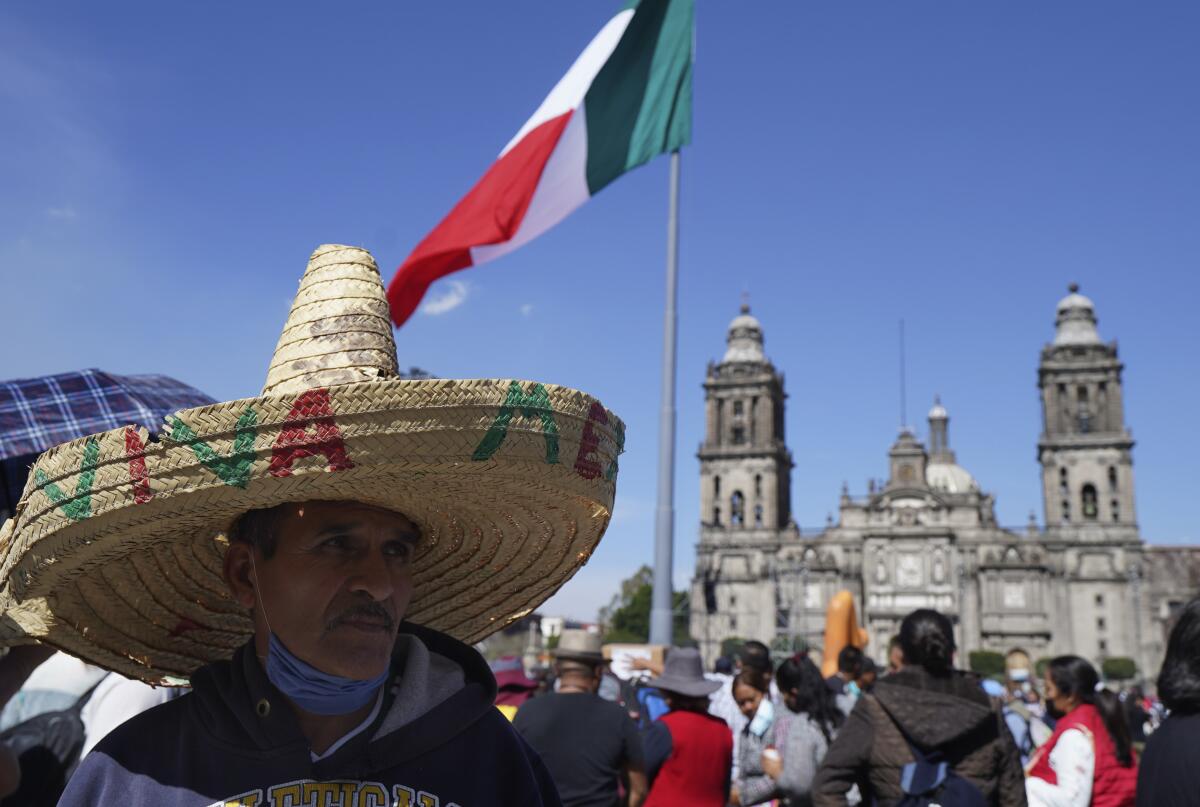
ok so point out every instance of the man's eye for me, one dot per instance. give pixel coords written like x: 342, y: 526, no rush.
x: 334, y: 542
x: 399, y: 549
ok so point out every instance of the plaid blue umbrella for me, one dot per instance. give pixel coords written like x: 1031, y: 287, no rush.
x: 37, y: 413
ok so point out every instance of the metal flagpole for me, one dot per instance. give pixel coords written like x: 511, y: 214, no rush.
x: 664, y: 522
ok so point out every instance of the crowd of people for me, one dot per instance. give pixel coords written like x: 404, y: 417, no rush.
x: 918, y: 732
x: 762, y: 731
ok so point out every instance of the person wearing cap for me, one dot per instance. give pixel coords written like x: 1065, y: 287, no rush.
x: 588, y: 743
x: 316, y: 561
x: 693, y: 759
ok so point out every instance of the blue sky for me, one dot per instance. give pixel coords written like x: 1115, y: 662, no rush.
x: 165, y: 172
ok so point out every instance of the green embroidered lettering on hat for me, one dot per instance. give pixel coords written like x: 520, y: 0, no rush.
x: 534, y: 405
x: 79, y: 507
x: 233, y: 470
x: 610, y: 473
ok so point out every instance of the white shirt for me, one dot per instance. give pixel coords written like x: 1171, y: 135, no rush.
x: 1074, y: 762
x: 721, y: 704
x: 115, y: 700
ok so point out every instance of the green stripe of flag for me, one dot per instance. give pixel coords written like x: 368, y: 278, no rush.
x: 640, y: 103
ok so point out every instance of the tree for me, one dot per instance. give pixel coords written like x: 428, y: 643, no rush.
x: 1040, y: 666
x: 627, y: 617
x: 986, y: 662
x: 730, y: 645
x: 1118, y: 668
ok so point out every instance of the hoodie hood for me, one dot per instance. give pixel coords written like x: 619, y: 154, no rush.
x: 934, y: 711
x: 438, y: 687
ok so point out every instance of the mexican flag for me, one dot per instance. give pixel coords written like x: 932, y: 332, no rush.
x: 627, y: 98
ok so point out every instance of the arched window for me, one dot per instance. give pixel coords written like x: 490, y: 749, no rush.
x: 1116, y: 510
x: 1112, y: 479
x: 739, y: 435
x: 1089, y: 507
x: 717, y: 486
x: 1083, y: 410
x: 1066, y: 510
x: 1063, y: 483
x: 737, y: 511
x: 758, y: 522
x: 758, y: 485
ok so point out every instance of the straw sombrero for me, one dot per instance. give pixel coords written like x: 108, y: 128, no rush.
x: 114, y: 551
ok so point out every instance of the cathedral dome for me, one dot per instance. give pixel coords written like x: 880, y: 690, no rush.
x: 1075, y: 321
x: 949, y: 477
x: 745, y: 338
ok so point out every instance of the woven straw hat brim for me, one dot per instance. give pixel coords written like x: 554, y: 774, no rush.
x: 114, y: 553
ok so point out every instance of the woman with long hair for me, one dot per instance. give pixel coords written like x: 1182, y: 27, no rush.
x: 1088, y: 760
x: 1167, y: 774
x: 803, y: 732
x: 751, y: 692
x: 916, y: 719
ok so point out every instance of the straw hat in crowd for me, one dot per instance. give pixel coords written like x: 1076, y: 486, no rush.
x: 579, y: 645
x: 114, y: 552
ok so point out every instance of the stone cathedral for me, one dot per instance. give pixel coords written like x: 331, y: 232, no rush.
x: 927, y: 537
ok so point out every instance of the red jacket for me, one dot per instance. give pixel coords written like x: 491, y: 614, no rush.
x: 1112, y: 784
x: 697, y: 771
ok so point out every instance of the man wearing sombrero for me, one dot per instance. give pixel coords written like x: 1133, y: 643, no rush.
x: 316, y: 560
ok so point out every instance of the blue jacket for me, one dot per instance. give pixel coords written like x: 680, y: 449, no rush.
x: 437, y: 742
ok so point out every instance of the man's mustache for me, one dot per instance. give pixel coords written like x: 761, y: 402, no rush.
x: 365, y: 611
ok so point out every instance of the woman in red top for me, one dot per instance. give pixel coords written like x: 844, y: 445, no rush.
x: 1088, y: 760
x: 696, y: 772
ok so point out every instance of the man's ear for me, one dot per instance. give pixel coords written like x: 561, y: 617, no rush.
x: 238, y: 571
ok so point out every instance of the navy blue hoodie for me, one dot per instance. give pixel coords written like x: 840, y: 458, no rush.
x: 234, y: 740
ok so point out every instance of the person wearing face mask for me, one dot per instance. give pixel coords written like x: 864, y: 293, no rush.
x: 752, y: 785
x: 316, y: 561
x: 1089, y: 760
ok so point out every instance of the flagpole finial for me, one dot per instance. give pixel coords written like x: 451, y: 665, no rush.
x: 745, y: 302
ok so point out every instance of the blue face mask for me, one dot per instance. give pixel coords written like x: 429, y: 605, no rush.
x: 763, y: 718
x: 316, y: 691
x: 309, y: 688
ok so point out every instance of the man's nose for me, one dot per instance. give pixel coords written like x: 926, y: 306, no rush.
x: 372, y: 576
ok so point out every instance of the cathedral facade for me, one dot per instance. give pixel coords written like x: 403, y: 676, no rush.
x: 1085, y: 582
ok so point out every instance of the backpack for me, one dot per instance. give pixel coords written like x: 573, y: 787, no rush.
x: 47, y: 747
x: 931, y: 782
x: 651, y: 705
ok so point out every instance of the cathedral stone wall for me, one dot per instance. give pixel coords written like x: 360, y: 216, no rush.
x: 1083, y: 582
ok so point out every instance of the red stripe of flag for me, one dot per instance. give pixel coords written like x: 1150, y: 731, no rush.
x: 490, y: 213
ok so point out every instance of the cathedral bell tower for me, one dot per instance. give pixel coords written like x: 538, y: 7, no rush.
x: 745, y: 467
x: 1085, y: 450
